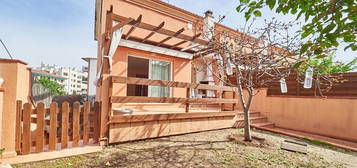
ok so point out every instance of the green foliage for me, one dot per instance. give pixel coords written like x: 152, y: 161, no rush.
x: 327, y: 65
x: 55, y: 88
x: 328, y: 22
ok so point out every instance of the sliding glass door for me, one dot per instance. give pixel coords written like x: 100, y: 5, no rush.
x: 149, y: 69
x: 159, y: 70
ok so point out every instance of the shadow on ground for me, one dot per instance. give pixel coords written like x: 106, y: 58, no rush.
x: 167, y: 153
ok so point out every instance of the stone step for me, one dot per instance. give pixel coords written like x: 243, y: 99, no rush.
x: 264, y: 124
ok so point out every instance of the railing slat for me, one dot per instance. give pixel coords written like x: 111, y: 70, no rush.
x: 40, y: 127
x: 26, y: 134
x: 140, y: 99
x: 86, y: 110
x: 150, y: 82
x: 76, y: 114
x: 64, y: 127
x: 53, y: 126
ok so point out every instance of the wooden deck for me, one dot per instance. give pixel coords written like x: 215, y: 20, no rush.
x: 163, y: 116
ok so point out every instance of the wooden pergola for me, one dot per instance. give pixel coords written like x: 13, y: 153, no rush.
x: 196, y: 43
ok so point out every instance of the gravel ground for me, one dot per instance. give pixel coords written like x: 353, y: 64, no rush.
x: 206, y: 149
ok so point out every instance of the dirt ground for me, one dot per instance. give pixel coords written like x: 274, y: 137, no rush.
x: 206, y: 149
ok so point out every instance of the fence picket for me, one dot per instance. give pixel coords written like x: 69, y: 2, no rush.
x: 40, y: 127
x: 64, y: 125
x: 96, y: 120
x: 18, y: 125
x: 76, y: 114
x: 86, y: 110
x: 26, y: 134
x: 53, y: 126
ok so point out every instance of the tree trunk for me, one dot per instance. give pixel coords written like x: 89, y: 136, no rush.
x: 247, y: 133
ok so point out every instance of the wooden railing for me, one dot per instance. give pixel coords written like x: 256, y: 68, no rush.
x: 187, y: 100
x: 47, y: 129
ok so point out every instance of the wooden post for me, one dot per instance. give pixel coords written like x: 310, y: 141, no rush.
x: 96, y: 120
x: 234, y: 104
x: 26, y: 134
x: 64, y: 127
x: 86, y: 111
x: 18, y: 126
x: 75, y: 130
x: 222, y: 104
x: 188, y: 93
x: 53, y: 126
x: 40, y: 125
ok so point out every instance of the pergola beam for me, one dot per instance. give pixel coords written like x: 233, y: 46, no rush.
x: 161, y: 31
x: 168, y: 38
x: 137, y: 21
x: 182, y: 42
x: 153, y: 32
x: 178, y: 44
x: 122, y: 24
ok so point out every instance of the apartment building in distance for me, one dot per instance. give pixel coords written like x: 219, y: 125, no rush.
x: 75, y: 81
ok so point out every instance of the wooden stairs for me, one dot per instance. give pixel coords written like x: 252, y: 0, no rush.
x: 256, y: 120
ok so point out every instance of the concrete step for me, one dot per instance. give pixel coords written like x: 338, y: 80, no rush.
x: 240, y: 122
x: 259, y: 119
x: 251, y: 114
x: 264, y: 124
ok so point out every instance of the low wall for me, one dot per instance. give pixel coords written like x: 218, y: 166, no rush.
x: 17, y: 82
x: 135, y: 127
x: 332, y: 117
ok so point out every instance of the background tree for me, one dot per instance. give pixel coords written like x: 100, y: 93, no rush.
x: 327, y: 22
x: 55, y: 88
x: 327, y: 65
x: 253, y: 62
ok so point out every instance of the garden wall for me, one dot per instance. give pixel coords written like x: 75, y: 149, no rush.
x: 332, y: 117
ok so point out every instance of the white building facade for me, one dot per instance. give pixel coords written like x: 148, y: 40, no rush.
x: 76, y: 81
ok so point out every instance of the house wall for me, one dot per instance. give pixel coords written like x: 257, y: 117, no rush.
x: 16, y: 87
x: 332, y: 117
x: 181, y: 69
x: 153, y: 13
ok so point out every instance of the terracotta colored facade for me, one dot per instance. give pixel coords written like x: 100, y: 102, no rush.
x: 17, y: 81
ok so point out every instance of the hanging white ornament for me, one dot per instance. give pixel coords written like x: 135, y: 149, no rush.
x: 308, y: 78
x: 229, y: 68
x: 283, y: 86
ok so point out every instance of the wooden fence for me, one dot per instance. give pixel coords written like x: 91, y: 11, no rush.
x: 58, y: 127
x: 345, y: 89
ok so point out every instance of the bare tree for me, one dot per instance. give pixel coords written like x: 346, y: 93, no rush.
x: 253, y: 59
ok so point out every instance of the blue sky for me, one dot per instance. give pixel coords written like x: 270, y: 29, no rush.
x: 61, y: 31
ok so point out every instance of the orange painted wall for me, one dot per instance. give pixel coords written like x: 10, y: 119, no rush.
x: 181, y: 68
x: 333, y: 117
x: 17, y: 87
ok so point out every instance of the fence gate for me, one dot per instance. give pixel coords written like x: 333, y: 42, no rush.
x: 58, y: 127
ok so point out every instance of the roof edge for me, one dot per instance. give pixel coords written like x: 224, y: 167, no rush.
x: 4, y: 60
